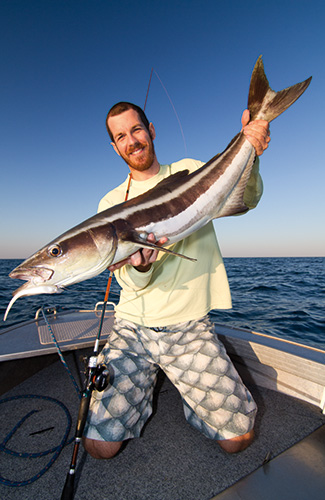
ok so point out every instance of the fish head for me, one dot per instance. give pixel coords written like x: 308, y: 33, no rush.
x: 77, y: 255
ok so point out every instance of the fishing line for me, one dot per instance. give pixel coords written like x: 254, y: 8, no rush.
x: 171, y: 102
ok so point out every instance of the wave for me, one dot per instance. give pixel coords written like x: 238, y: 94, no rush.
x: 263, y: 288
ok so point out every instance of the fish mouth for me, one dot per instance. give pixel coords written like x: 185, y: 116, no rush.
x: 36, y: 284
x: 36, y: 275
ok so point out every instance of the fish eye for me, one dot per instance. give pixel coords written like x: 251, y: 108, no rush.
x: 54, y: 251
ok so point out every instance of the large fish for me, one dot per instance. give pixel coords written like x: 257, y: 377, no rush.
x: 176, y: 207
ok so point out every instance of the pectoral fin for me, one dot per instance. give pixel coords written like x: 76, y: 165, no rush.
x: 139, y: 240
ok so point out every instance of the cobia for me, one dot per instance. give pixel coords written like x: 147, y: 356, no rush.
x: 176, y: 207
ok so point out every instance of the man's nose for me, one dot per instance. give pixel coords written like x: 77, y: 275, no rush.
x: 132, y: 139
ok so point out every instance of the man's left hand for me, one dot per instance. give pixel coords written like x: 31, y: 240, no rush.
x: 143, y: 258
x: 257, y: 132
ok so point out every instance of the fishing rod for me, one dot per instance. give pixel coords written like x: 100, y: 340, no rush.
x: 147, y: 94
x: 97, y: 374
x: 97, y: 377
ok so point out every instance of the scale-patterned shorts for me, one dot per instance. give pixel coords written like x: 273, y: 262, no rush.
x: 215, y: 400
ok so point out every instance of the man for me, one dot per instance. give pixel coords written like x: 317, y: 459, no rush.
x: 161, y: 319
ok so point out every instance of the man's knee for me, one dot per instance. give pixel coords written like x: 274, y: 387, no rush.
x: 101, y: 449
x: 238, y: 443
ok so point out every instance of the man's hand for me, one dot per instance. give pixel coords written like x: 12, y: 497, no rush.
x: 142, y: 259
x: 257, y: 132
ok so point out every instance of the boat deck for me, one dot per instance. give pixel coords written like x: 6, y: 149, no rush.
x: 171, y: 461
x: 296, y: 474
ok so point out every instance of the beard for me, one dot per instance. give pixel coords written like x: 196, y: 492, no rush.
x: 143, y: 160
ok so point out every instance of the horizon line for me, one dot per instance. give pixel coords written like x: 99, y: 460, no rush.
x: 229, y: 257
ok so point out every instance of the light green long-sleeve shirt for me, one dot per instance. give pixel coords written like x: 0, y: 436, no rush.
x: 174, y: 289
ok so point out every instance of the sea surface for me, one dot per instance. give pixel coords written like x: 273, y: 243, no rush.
x: 284, y: 297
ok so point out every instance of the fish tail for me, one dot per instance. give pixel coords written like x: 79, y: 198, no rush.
x: 266, y: 104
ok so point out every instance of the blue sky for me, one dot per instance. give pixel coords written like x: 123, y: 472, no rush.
x: 65, y: 63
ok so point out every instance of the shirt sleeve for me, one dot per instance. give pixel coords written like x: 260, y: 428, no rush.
x: 130, y: 278
x: 103, y: 205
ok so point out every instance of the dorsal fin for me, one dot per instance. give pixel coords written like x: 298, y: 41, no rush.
x: 167, y: 184
x: 172, y: 179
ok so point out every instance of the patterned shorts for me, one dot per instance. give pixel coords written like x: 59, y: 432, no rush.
x: 215, y: 400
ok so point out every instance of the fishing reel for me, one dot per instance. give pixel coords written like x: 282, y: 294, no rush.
x: 100, y: 378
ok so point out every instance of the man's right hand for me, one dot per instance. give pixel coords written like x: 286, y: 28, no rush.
x: 143, y: 258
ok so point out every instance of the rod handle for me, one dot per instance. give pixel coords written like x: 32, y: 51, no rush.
x: 68, y: 489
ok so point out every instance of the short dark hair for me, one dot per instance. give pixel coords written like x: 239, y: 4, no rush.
x: 119, y: 108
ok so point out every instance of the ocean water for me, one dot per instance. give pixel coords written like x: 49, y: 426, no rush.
x: 284, y: 297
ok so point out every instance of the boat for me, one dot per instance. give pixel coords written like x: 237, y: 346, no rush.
x: 171, y: 460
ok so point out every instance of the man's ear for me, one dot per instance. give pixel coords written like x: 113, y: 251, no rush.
x: 152, y: 131
x: 115, y: 148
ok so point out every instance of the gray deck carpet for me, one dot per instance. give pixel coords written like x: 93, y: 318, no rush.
x: 171, y: 461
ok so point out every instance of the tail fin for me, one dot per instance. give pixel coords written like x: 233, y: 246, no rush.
x: 266, y: 104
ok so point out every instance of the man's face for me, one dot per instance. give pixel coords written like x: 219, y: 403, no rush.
x: 132, y: 141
